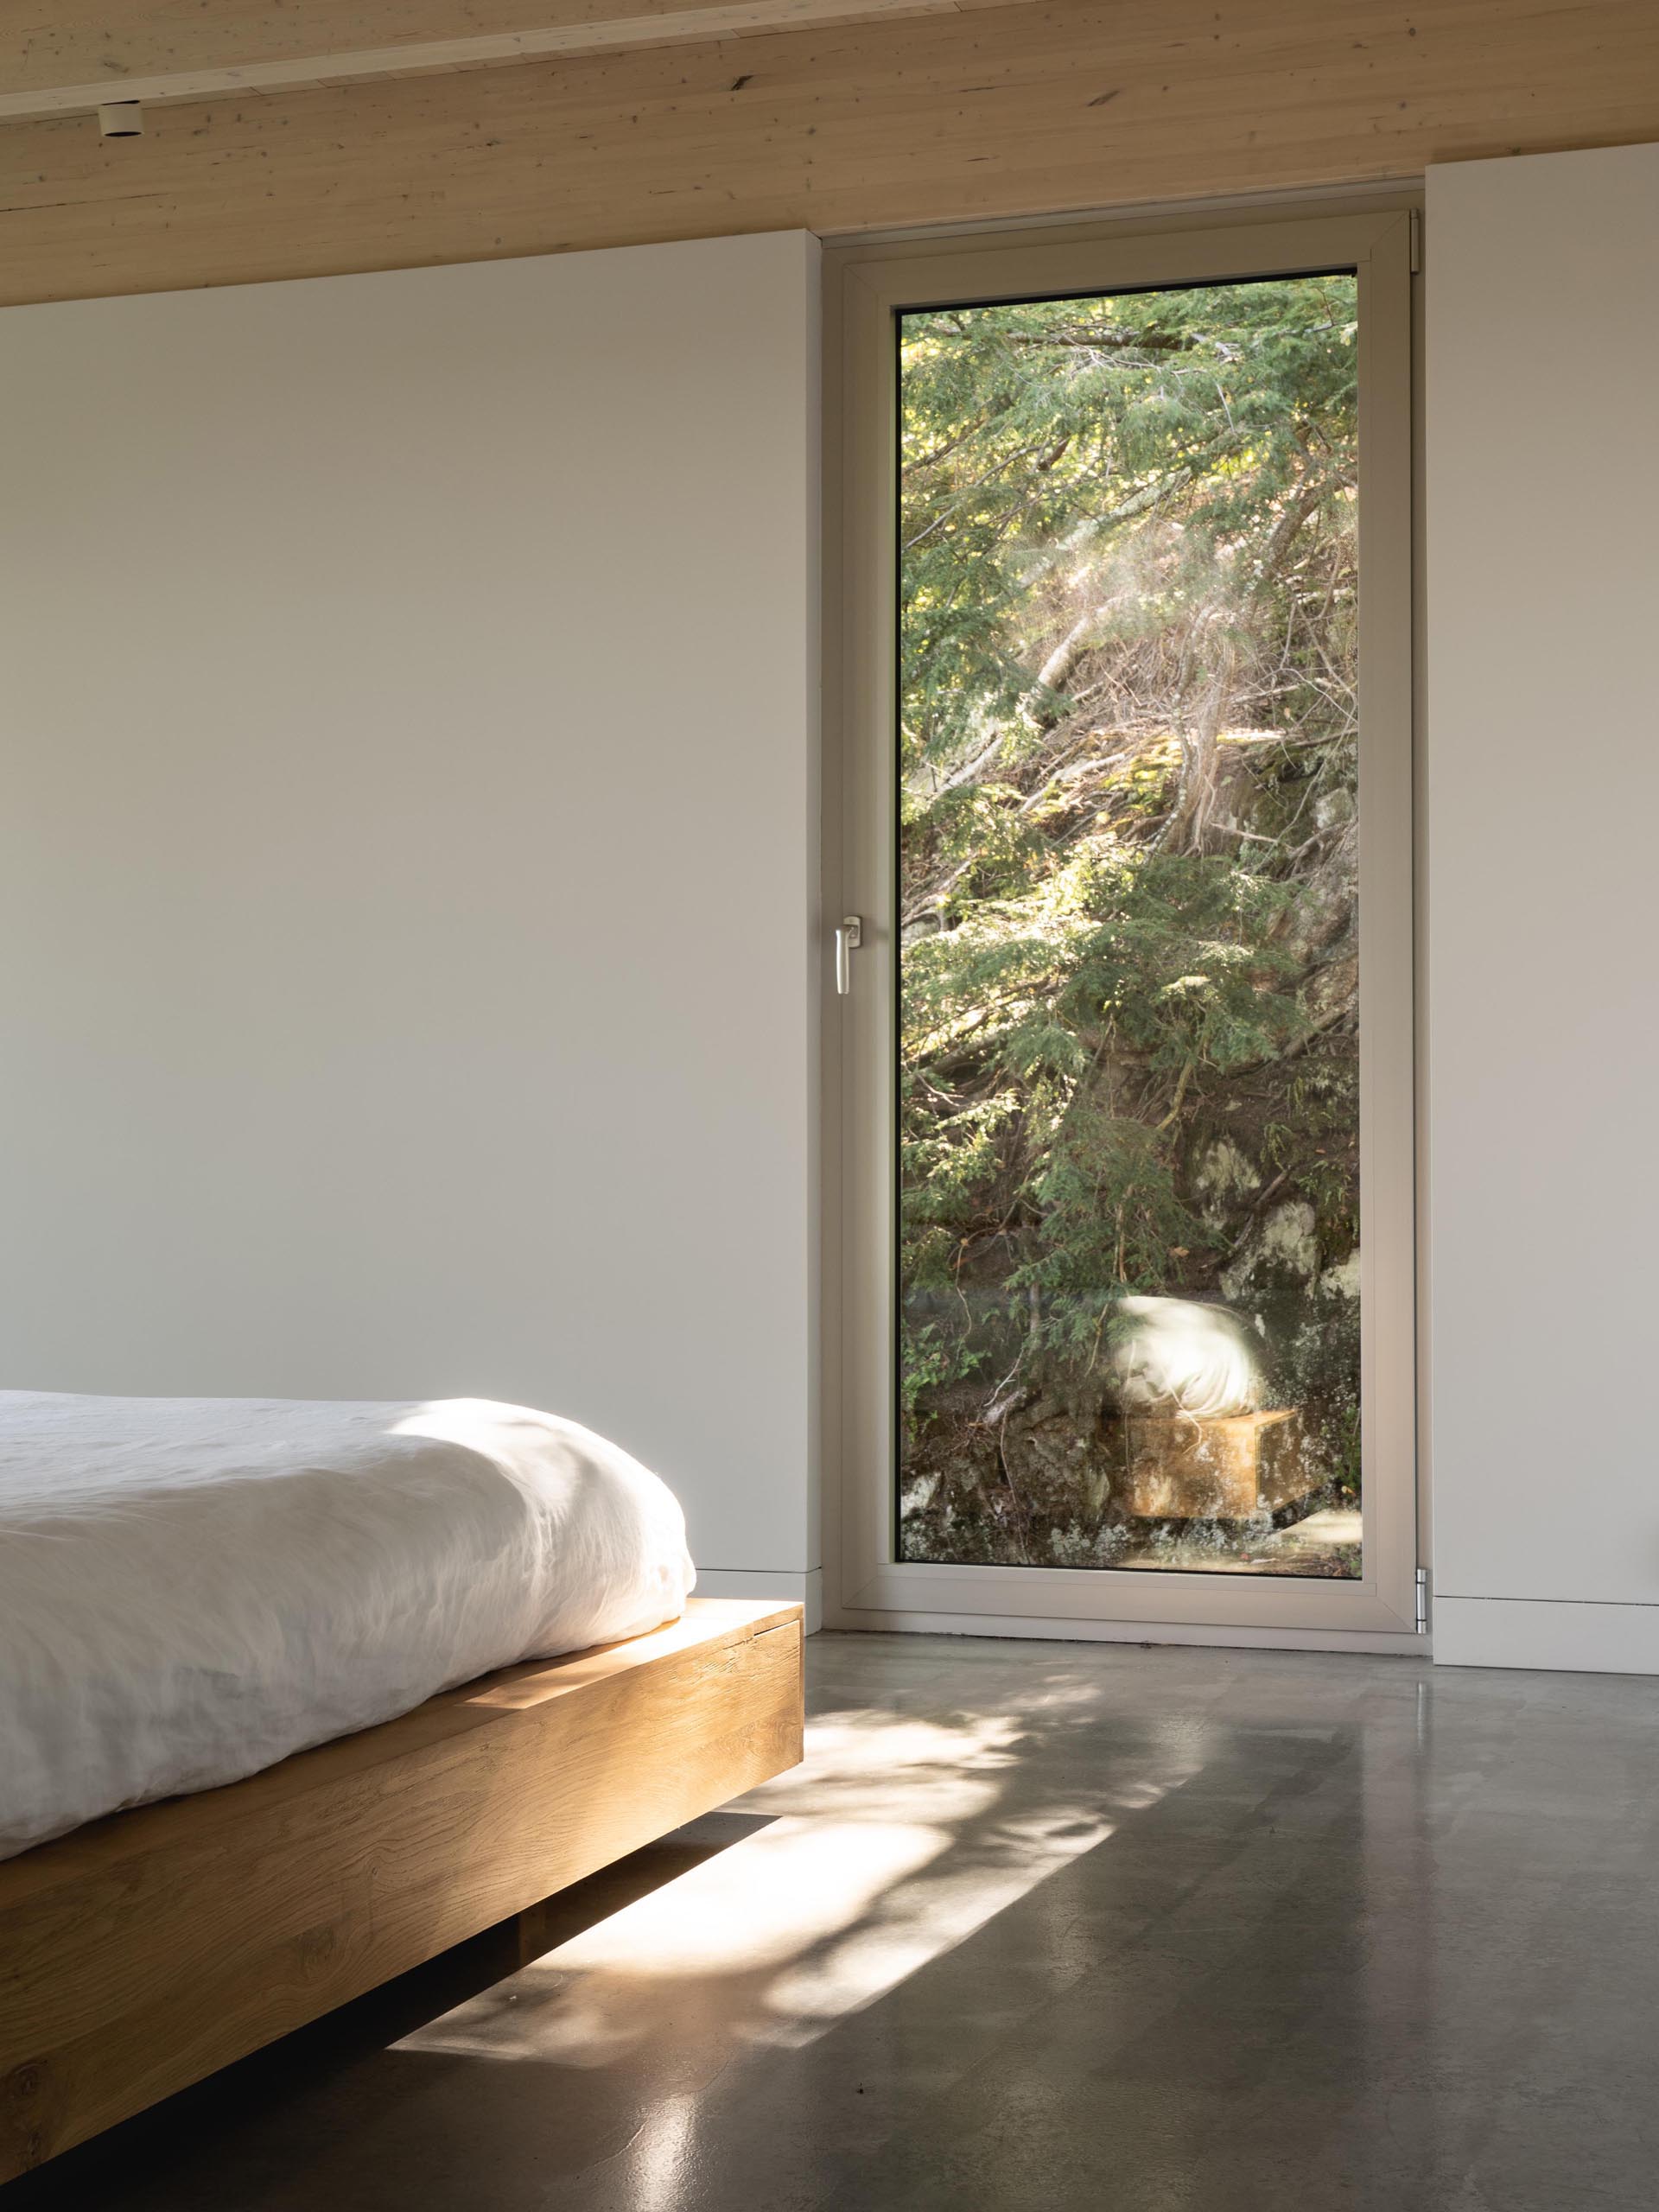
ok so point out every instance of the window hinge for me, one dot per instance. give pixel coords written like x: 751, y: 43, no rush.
x: 1422, y: 1601
x: 1416, y: 240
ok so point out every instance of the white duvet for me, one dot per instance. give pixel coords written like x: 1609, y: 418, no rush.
x: 192, y: 1588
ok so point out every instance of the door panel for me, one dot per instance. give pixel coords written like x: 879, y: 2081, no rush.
x: 1126, y: 1062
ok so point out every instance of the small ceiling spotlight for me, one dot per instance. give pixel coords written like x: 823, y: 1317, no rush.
x: 121, y: 119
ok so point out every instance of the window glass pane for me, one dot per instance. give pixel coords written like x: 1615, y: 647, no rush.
x: 1128, y: 969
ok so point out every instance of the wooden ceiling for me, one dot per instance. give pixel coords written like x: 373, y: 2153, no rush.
x: 836, y: 115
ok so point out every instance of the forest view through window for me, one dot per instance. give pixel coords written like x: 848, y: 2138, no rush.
x: 1129, y: 964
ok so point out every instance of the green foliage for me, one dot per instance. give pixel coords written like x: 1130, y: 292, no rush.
x: 1126, y: 719
x: 1043, y: 441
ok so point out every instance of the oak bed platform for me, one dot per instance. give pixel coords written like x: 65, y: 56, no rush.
x: 146, y: 1950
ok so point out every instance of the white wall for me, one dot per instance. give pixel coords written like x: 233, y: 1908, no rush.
x: 408, y: 870
x: 1542, y: 792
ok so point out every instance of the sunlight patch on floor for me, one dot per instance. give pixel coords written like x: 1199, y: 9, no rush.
x: 894, y: 1842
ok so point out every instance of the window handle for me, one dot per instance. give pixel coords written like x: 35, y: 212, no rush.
x: 850, y: 935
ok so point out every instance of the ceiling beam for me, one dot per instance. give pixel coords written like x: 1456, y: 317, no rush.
x: 29, y: 94
x: 45, y: 43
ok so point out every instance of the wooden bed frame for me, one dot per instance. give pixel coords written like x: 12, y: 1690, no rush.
x: 143, y: 1951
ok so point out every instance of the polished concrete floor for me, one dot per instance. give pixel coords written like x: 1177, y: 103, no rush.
x: 1036, y: 1926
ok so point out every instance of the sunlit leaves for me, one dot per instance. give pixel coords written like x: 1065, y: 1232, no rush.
x: 1126, y: 523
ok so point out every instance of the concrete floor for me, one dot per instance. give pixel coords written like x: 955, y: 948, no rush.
x: 1037, y: 1926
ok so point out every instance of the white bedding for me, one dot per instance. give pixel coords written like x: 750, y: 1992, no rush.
x: 192, y: 1588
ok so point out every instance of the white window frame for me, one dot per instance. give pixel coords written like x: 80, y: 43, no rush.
x: 865, y: 1586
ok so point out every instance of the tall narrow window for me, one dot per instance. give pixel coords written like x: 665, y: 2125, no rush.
x: 1128, y: 1011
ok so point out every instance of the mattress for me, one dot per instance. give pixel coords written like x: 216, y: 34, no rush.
x: 192, y: 1588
